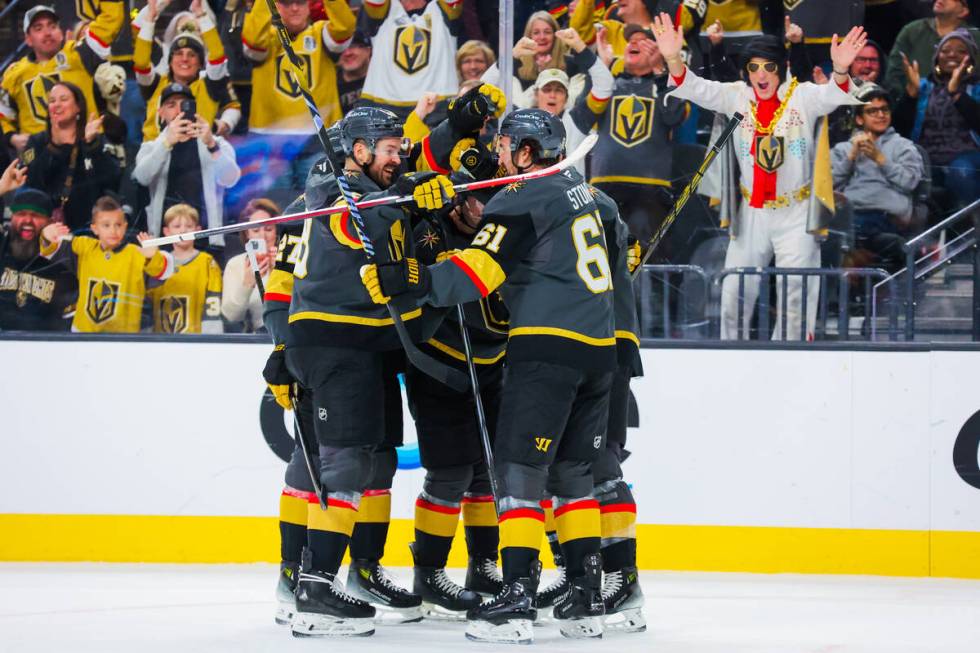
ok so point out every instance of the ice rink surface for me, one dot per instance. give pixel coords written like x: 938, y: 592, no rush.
x: 130, y: 608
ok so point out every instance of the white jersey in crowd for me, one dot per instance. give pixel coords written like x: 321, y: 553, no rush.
x: 411, y: 55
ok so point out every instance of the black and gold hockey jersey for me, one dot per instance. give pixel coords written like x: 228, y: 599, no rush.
x: 329, y: 305
x: 486, y: 319
x: 542, y: 243
x: 635, y: 133
x: 821, y: 19
x: 624, y: 302
x: 190, y: 300
x: 279, y: 287
x: 111, y: 284
x: 26, y: 82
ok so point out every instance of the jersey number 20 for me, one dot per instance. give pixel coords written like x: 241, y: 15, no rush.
x: 593, y: 262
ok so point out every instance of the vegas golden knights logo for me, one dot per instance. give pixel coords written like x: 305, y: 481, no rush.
x: 87, y: 9
x: 37, y: 94
x: 495, y: 314
x: 542, y: 444
x: 285, y: 83
x: 412, y: 48
x: 103, y: 297
x: 769, y: 152
x: 790, y: 5
x: 396, y: 242
x: 632, y: 119
x: 173, y: 314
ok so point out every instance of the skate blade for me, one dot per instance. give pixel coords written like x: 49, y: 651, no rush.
x: 285, y: 610
x: 627, y: 621
x: 439, y: 613
x: 388, y: 616
x: 308, y: 624
x: 585, y: 628
x: 516, y: 631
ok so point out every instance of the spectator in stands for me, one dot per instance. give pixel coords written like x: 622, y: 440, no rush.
x: 110, y: 272
x: 632, y: 160
x: 919, y: 40
x: 822, y: 19
x: 68, y: 160
x: 24, y: 87
x: 185, y: 164
x: 877, y: 170
x: 941, y: 112
x: 279, y: 119
x: 637, y: 12
x: 240, y: 299
x: 541, y: 49
x: 473, y: 59
x: 35, y: 294
x: 190, y: 300
x: 187, y: 56
x: 353, y: 66
x: 551, y: 91
x: 740, y: 18
x: 414, y: 43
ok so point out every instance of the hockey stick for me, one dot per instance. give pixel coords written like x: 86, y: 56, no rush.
x: 439, y: 371
x: 575, y: 157
x: 251, y: 247
x: 692, y: 186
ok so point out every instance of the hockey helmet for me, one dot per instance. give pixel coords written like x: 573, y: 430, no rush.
x: 368, y: 124
x: 543, y: 131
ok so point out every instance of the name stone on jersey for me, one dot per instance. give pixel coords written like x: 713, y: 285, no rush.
x: 632, y: 119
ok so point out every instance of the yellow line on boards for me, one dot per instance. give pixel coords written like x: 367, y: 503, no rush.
x: 147, y: 538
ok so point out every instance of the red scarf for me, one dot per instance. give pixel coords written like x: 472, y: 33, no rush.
x: 763, y: 183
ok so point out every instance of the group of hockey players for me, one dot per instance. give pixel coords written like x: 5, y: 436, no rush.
x: 529, y: 283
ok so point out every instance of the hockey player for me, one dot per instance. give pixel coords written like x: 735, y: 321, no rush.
x: 775, y: 159
x: 543, y: 245
x: 456, y: 479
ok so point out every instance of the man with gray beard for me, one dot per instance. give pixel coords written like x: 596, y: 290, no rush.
x: 35, y: 294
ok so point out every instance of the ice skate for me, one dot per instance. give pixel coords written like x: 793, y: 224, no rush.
x: 441, y: 597
x: 579, y: 612
x: 623, y: 600
x: 483, y: 577
x: 324, y: 609
x: 286, y: 593
x: 369, y: 581
x: 508, y: 618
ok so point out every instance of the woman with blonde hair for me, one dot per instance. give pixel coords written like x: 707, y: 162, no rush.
x: 473, y: 59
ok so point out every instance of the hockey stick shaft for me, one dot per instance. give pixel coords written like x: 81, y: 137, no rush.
x: 577, y: 155
x: 439, y: 371
x: 692, y: 186
x: 307, y: 455
x: 254, y: 262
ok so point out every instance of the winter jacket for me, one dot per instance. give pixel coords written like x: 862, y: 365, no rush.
x: 887, y: 187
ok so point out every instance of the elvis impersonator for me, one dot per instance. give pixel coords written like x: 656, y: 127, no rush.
x: 775, y: 153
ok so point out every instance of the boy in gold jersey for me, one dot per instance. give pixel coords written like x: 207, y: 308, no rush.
x: 111, y: 273
x: 190, y: 300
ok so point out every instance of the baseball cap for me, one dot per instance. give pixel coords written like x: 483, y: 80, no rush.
x: 549, y: 75
x: 32, y: 199
x: 633, y: 28
x: 34, y: 12
x: 188, y: 40
x: 175, y: 88
x: 361, y: 39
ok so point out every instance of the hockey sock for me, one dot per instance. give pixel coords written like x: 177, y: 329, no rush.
x: 550, y: 531
x: 292, y: 522
x: 480, y: 526
x: 371, y: 529
x: 521, y: 528
x: 617, y: 509
x: 435, y: 527
x: 328, y: 531
x: 578, y: 531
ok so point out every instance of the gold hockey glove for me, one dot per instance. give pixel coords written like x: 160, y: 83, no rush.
x: 386, y: 280
x: 634, y: 254
x: 278, y: 378
x: 434, y: 193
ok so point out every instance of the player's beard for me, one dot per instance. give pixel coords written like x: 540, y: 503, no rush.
x: 384, y: 176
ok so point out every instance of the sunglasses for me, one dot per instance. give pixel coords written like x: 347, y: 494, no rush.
x: 768, y: 66
x: 877, y: 111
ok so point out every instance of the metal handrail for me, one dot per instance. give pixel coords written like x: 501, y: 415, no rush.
x: 843, y: 292
x: 948, y: 222
x: 10, y: 7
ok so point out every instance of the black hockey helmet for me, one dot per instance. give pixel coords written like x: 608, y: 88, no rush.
x: 543, y: 131
x: 368, y: 124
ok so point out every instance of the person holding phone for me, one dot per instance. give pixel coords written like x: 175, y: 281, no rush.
x: 186, y: 164
x: 241, y: 303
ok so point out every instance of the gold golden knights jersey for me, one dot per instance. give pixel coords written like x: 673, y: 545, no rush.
x: 417, y: 50
x: 736, y: 16
x: 111, y: 284
x: 26, y: 82
x: 277, y: 106
x: 689, y: 14
x: 190, y: 300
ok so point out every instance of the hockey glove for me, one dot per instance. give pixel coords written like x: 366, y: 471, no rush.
x: 386, y: 280
x: 477, y: 160
x: 278, y: 377
x: 429, y: 190
x: 470, y: 111
x: 634, y: 254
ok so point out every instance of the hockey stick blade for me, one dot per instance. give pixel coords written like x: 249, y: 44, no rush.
x: 577, y: 155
